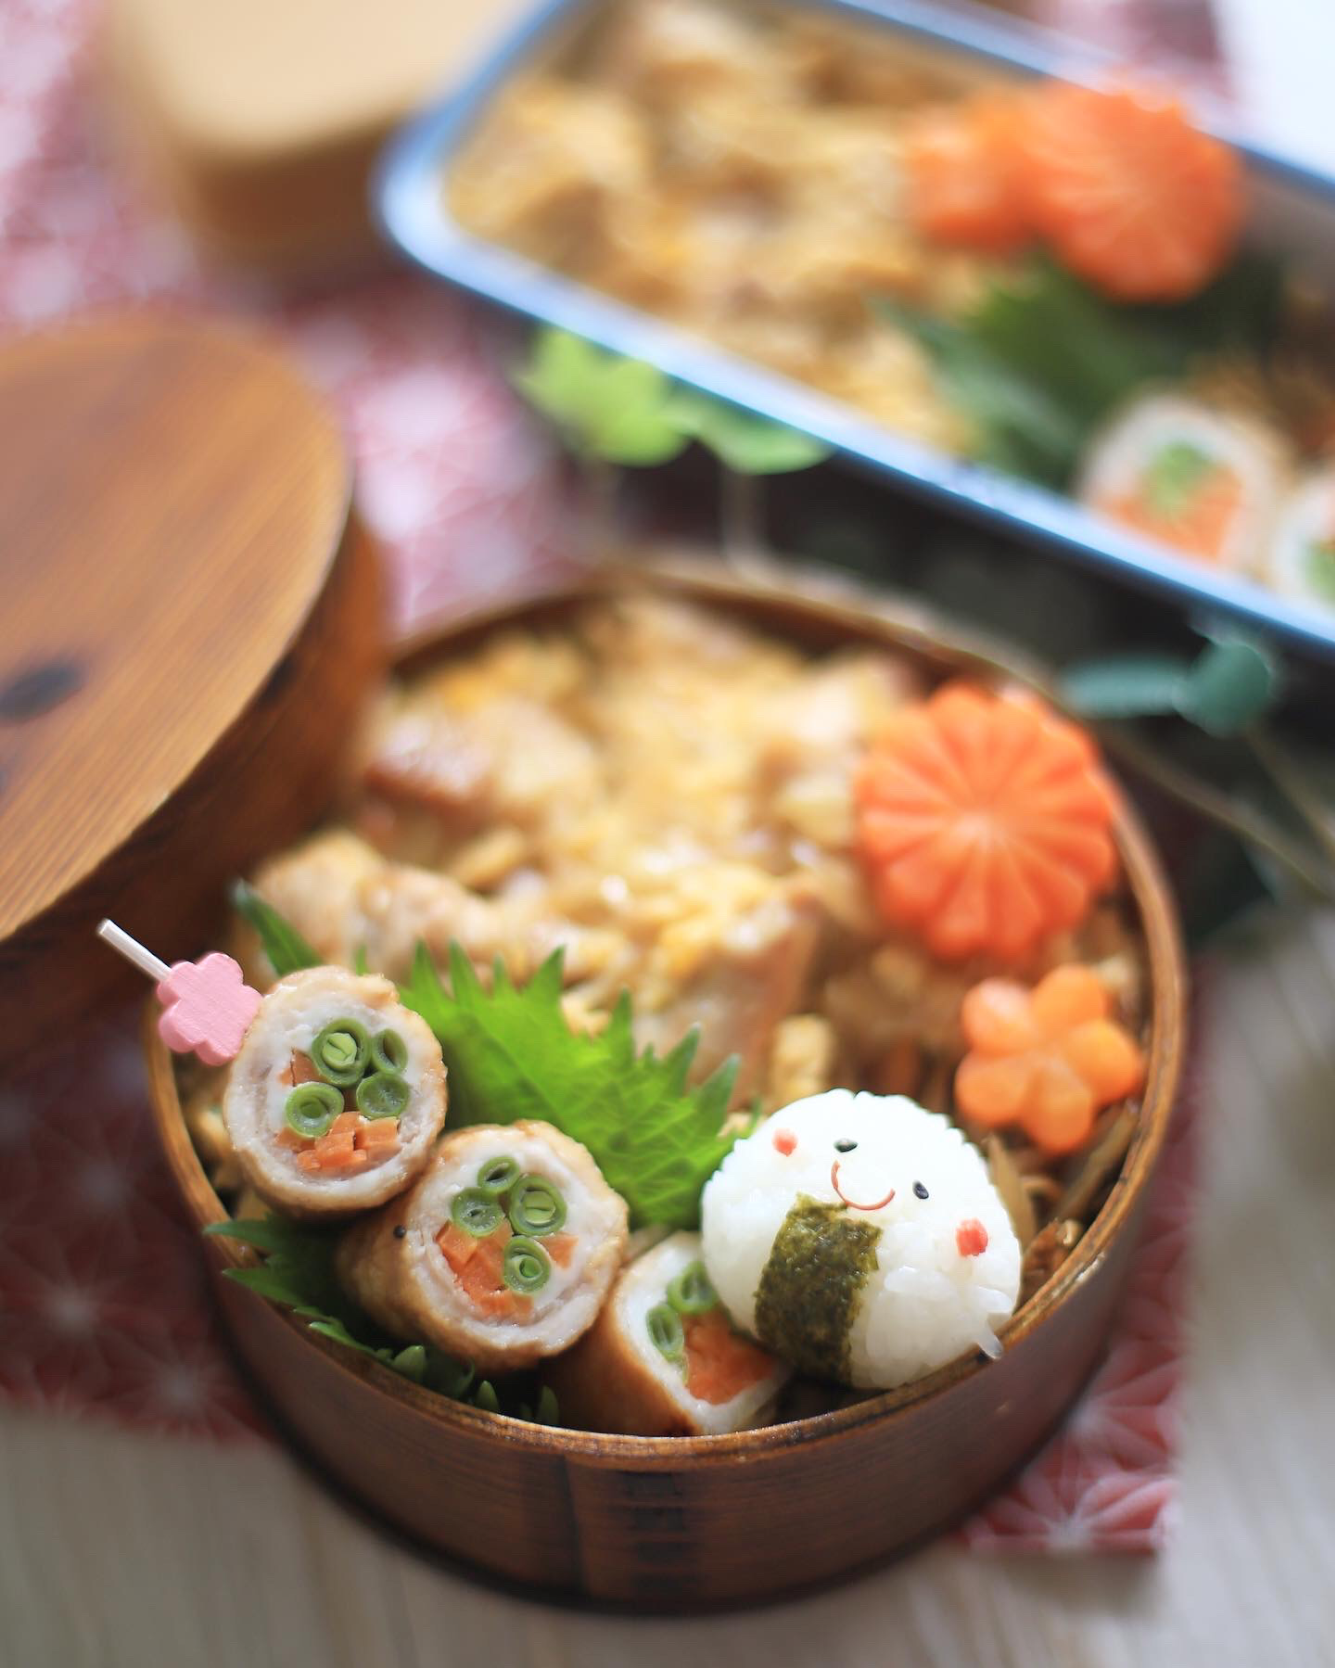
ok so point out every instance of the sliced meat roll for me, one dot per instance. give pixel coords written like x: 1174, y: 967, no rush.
x: 337, y: 1095
x: 663, y: 1358
x: 502, y: 1254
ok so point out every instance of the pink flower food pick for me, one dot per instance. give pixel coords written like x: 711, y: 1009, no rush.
x: 206, y: 1006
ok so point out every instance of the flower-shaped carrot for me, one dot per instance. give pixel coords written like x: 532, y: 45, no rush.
x: 1127, y: 192
x: 961, y: 169
x: 1047, y: 1059
x: 984, y: 823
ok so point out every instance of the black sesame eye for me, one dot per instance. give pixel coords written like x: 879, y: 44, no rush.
x: 400, y: 1232
x: 845, y: 1146
x: 920, y: 1192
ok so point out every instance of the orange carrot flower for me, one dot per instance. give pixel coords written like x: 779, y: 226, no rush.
x: 1047, y: 1059
x: 1128, y: 193
x: 961, y: 166
x: 984, y: 821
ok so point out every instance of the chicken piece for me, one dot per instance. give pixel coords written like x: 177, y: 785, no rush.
x: 735, y: 974
x: 803, y: 1054
x: 343, y: 898
x: 546, y: 168
x: 436, y: 777
x: 667, y: 53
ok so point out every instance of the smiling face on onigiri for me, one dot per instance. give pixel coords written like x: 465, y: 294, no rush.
x: 859, y: 1238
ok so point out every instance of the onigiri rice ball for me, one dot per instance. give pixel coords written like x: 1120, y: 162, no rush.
x: 859, y: 1238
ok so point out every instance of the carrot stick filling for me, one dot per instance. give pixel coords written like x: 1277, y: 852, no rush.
x: 720, y: 1363
x: 477, y: 1265
x: 350, y: 1142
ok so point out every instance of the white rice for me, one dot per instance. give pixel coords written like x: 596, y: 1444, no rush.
x: 926, y: 1302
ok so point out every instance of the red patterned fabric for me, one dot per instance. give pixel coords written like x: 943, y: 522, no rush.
x: 104, y: 1310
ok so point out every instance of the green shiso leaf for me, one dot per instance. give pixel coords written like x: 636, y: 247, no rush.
x: 285, y: 947
x: 510, y: 1055
x: 605, y: 406
x: 1040, y: 361
x: 743, y: 442
x: 298, y: 1273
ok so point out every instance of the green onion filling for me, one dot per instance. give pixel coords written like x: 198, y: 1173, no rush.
x: 382, y: 1095
x: 341, y: 1051
x: 389, y: 1052
x: 536, y: 1207
x: 525, y: 1267
x: 476, y: 1212
x: 311, y: 1109
x: 690, y: 1292
x: 498, y: 1175
x: 664, y: 1325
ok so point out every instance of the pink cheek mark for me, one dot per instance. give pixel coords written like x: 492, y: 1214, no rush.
x: 784, y: 1141
x: 853, y: 1203
x: 971, y: 1238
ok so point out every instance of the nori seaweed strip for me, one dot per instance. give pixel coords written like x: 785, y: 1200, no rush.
x: 809, y: 1286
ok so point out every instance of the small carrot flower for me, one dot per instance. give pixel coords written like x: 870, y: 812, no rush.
x: 1047, y: 1059
x: 984, y: 823
x: 961, y: 171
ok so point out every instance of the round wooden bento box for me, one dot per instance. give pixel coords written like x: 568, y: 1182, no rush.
x: 693, y: 1523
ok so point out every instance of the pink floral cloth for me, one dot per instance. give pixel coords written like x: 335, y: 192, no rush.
x: 104, y: 1310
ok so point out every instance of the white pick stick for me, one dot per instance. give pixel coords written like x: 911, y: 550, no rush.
x: 133, y: 950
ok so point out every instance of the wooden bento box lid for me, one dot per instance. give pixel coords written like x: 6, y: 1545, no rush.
x: 186, y: 595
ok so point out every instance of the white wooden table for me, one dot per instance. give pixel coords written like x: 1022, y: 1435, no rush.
x: 119, y: 1551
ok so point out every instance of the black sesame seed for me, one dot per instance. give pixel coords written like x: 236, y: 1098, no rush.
x: 845, y: 1146
x: 920, y: 1192
x: 400, y: 1232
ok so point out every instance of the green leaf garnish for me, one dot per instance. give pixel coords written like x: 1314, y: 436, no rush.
x: 624, y: 411
x: 511, y: 1055
x: 606, y: 407
x: 298, y: 1273
x: 285, y: 947
x: 1041, y: 360
x: 743, y: 442
x: 1125, y: 686
x: 1231, y: 684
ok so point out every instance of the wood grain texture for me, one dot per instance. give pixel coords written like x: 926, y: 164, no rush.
x: 691, y: 1523
x: 178, y: 546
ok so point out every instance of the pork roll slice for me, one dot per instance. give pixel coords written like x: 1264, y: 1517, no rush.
x: 501, y: 1254
x: 663, y: 1358
x: 337, y: 1095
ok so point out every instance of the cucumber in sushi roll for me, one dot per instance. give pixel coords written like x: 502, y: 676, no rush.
x: 1202, y: 482
x: 502, y: 1253
x: 1301, y: 560
x: 337, y: 1095
x: 859, y: 1238
x: 663, y: 1358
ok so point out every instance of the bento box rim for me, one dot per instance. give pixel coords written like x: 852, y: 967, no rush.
x: 1167, y: 981
x: 409, y: 206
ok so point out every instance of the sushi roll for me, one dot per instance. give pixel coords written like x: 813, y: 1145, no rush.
x: 336, y: 1096
x: 859, y: 1238
x: 1204, y: 482
x: 1301, y: 564
x: 501, y: 1254
x: 663, y: 1358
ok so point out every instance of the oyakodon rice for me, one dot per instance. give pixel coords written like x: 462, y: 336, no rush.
x: 665, y: 793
